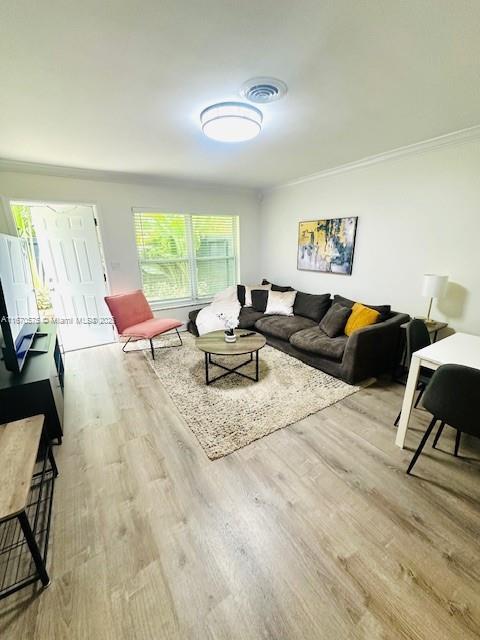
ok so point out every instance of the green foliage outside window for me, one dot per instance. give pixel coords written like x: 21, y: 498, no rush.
x: 26, y: 230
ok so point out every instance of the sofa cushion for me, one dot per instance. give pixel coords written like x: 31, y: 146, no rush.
x: 280, y: 303
x: 249, y: 289
x: 247, y: 318
x: 283, y: 326
x: 311, y: 305
x: 259, y: 299
x: 360, y: 317
x: 192, y: 315
x: 314, y: 340
x: 277, y: 287
x: 334, y: 321
x: 241, y: 294
x: 384, y: 310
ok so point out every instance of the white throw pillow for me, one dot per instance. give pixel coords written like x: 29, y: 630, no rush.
x: 280, y: 303
x: 248, y: 292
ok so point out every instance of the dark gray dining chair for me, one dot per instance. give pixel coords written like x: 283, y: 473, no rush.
x: 451, y: 397
x: 417, y: 337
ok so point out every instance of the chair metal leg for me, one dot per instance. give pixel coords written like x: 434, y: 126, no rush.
x: 438, y: 434
x: 457, y: 442
x: 123, y: 348
x: 419, y: 397
x: 151, y: 344
x: 397, y: 419
x: 422, y: 444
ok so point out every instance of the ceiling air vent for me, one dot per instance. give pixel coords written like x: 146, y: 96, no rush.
x: 263, y: 90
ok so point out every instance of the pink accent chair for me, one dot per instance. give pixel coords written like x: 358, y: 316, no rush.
x: 134, y: 319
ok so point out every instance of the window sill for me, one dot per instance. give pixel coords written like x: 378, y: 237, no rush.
x: 163, y: 306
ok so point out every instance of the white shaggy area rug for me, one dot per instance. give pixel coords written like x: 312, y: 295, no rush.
x: 233, y: 412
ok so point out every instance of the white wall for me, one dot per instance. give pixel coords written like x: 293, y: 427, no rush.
x: 114, y: 202
x: 417, y: 214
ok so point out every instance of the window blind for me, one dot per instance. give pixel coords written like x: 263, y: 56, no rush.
x: 214, y: 240
x: 186, y: 257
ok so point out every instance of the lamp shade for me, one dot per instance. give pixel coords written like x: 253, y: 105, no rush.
x: 433, y: 285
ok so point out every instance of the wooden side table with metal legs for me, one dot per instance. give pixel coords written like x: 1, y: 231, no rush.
x: 26, y: 500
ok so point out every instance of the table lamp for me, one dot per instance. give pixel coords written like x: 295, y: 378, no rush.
x: 433, y: 287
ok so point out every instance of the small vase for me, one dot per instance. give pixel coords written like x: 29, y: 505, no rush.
x: 230, y: 337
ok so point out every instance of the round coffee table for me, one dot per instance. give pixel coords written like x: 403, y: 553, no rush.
x: 214, y: 344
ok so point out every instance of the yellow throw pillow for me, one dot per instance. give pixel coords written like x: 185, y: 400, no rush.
x: 360, y: 317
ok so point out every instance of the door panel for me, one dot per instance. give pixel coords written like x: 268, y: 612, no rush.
x: 13, y: 259
x: 69, y: 250
x: 82, y: 261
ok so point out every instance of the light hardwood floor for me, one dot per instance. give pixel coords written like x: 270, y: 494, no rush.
x: 314, y: 532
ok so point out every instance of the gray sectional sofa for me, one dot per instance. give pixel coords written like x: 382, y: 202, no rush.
x: 368, y: 352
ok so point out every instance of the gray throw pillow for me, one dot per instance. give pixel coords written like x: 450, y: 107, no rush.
x: 384, y: 310
x: 241, y: 294
x: 334, y: 321
x: 259, y: 299
x: 313, y: 306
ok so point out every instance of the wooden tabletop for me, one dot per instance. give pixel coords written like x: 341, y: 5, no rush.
x: 214, y: 342
x: 19, y: 442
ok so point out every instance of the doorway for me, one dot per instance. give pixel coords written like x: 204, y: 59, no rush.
x: 68, y: 273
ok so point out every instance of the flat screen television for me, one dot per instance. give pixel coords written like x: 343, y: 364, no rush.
x: 19, y: 317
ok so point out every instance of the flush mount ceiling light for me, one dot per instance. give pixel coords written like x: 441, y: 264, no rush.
x: 231, y: 121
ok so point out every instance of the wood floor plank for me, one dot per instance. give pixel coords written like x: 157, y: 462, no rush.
x: 314, y: 532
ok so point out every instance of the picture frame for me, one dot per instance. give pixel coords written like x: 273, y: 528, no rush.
x: 327, y: 245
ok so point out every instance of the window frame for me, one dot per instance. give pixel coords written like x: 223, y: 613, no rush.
x: 191, y: 258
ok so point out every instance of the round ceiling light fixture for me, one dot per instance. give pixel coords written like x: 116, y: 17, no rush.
x: 231, y: 121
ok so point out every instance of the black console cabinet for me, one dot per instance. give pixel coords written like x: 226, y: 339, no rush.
x: 38, y: 389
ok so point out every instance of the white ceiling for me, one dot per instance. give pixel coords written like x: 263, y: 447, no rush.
x: 118, y: 84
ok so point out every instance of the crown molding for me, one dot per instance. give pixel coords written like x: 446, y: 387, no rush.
x: 98, y: 175
x: 448, y: 139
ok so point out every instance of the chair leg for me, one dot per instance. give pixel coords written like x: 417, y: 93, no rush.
x: 152, y: 349
x: 179, y: 337
x: 419, y: 397
x: 457, y: 442
x: 438, y: 434
x: 125, y: 344
x: 397, y: 420
x: 422, y: 444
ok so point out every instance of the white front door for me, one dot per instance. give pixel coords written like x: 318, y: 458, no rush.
x: 70, y: 254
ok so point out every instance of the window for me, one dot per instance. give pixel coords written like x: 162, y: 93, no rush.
x: 186, y: 257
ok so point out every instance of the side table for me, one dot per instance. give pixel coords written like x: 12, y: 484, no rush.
x: 26, y: 500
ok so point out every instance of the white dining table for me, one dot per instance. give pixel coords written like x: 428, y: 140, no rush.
x: 459, y: 348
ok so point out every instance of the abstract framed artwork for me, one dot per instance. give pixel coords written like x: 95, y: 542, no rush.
x: 327, y: 245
